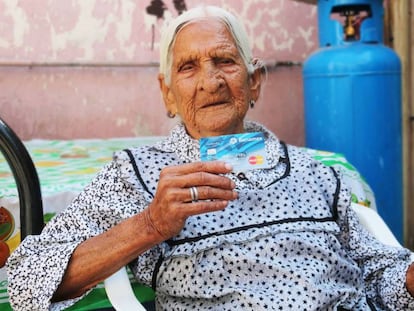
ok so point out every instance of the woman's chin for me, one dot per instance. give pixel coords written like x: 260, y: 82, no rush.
x: 220, y: 127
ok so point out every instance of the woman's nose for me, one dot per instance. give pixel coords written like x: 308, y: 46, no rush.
x: 211, y: 79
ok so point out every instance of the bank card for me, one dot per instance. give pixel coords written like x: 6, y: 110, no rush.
x: 243, y: 151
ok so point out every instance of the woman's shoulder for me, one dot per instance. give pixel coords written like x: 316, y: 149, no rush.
x: 156, y: 146
x: 299, y: 155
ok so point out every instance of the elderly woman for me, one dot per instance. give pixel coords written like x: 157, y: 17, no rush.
x: 205, y: 237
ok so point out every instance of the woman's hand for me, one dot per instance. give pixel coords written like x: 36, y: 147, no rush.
x: 409, y: 283
x: 173, y: 203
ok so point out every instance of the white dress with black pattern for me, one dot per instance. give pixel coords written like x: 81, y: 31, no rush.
x: 289, y: 242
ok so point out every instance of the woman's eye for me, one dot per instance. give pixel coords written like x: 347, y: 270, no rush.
x: 225, y: 61
x: 186, y: 67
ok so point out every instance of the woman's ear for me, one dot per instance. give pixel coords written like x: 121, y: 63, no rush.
x: 256, y: 83
x: 167, y: 95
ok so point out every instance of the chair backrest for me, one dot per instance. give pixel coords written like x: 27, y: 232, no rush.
x: 27, y: 181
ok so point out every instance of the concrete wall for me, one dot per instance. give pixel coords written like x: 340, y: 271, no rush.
x: 88, y: 68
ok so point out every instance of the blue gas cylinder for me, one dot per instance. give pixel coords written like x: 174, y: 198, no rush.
x: 352, y: 100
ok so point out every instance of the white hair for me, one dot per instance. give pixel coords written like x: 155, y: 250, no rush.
x: 170, y: 30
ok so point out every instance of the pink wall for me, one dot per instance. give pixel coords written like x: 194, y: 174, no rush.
x: 73, y: 69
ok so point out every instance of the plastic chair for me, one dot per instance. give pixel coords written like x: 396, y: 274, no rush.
x: 120, y: 294
x: 27, y: 181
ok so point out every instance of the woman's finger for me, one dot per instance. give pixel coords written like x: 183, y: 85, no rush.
x: 214, y: 167
x: 202, y: 207
x: 207, y: 193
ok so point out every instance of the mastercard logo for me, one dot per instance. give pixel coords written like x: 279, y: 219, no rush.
x: 253, y: 160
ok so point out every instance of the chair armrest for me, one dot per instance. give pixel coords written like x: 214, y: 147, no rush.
x: 373, y: 222
x: 120, y: 294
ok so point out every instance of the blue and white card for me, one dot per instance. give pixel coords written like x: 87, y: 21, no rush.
x: 243, y: 151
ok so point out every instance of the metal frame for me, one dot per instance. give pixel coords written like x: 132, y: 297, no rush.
x: 27, y: 181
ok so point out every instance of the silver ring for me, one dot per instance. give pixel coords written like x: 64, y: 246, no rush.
x: 194, y: 194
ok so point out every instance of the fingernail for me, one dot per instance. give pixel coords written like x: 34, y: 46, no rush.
x: 229, y: 166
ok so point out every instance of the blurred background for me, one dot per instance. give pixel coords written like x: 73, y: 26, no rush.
x: 86, y: 69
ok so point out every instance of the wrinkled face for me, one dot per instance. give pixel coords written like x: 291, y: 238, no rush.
x: 210, y: 87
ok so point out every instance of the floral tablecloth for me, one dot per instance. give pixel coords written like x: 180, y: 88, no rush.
x: 66, y: 167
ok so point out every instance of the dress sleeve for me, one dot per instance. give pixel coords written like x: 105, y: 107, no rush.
x: 383, y: 267
x: 36, y: 267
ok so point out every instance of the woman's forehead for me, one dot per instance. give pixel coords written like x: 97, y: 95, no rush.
x: 203, y: 34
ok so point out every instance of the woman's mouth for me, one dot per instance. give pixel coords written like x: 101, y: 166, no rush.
x: 214, y: 104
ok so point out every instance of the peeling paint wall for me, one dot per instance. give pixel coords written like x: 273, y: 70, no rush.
x: 87, y: 68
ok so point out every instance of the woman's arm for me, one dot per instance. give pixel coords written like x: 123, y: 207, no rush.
x: 41, y: 262
x: 109, y: 224
x: 386, y: 269
x: 383, y: 268
x: 98, y: 257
